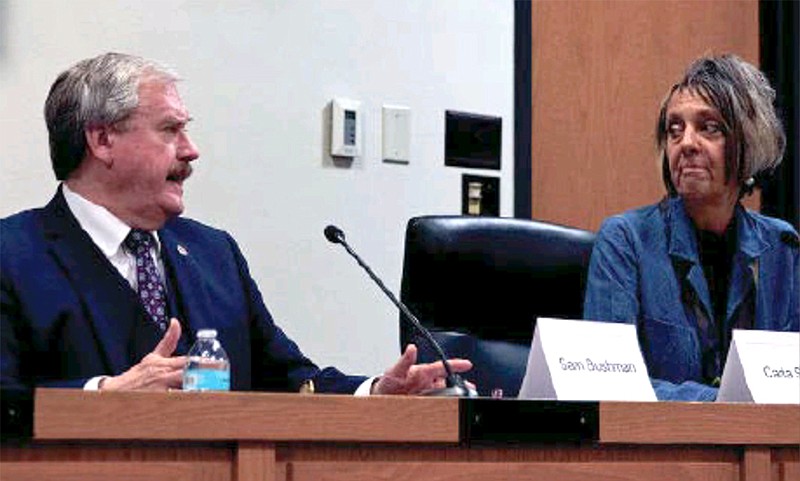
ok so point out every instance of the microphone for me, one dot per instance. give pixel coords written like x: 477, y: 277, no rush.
x: 455, y: 385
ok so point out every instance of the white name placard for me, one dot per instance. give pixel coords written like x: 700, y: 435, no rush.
x: 585, y: 361
x: 762, y: 367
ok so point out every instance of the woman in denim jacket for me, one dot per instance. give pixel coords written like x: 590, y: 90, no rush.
x: 693, y: 267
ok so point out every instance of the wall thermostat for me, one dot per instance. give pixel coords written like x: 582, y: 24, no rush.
x: 345, y: 128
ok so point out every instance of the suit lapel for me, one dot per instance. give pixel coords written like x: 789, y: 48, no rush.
x: 683, y: 250
x: 187, y: 284
x: 745, y: 269
x: 107, y: 300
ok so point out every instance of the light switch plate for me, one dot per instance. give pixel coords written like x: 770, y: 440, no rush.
x: 396, y: 133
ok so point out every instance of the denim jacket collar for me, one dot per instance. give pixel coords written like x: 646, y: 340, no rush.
x: 680, y: 231
x: 683, y: 240
x: 683, y: 249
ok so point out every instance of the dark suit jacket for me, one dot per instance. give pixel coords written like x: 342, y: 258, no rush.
x: 68, y: 315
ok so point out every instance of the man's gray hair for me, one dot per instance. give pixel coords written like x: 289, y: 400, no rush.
x: 754, y: 136
x: 98, y: 91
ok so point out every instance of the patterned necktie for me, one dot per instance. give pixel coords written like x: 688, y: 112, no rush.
x: 151, y: 289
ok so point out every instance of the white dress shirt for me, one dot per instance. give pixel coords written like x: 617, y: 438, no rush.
x: 109, y: 233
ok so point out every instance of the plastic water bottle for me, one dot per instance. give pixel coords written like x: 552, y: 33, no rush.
x: 207, y: 367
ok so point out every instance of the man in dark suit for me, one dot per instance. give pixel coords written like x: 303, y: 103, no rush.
x: 105, y: 286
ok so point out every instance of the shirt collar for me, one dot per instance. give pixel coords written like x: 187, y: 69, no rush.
x: 106, y: 230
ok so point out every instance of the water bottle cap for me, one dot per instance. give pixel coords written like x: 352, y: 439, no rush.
x: 207, y: 333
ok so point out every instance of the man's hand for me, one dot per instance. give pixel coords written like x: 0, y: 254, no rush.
x: 157, y: 371
x: 405, y: 377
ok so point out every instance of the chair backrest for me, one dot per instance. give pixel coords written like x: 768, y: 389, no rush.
x: 479, y: 283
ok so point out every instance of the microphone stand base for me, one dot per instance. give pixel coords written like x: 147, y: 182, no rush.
x: 452, y: 391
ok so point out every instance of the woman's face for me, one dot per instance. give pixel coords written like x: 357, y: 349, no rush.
x: 696, y: 150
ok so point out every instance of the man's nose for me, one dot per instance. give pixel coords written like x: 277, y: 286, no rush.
x: 187, y: 150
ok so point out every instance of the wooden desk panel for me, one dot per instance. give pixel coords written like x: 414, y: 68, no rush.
x: 256, y: 436
x: 699, y: 423
x: 178, y: 415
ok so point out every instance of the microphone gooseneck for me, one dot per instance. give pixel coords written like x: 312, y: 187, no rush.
x: 455, y: 384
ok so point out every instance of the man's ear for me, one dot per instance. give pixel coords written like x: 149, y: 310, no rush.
x: 99, y: 141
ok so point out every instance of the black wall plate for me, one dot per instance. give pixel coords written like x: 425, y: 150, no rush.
x: 472, y: 140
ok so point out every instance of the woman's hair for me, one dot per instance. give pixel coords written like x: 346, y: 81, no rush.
x: 103, y: 90
x: 754, y: 137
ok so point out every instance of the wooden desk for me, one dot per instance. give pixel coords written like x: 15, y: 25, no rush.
x: 176, y: 436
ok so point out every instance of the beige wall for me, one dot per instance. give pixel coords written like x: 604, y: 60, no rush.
x: 599, y: 71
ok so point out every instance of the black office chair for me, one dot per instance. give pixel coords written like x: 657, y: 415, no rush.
x: 480, y: 283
